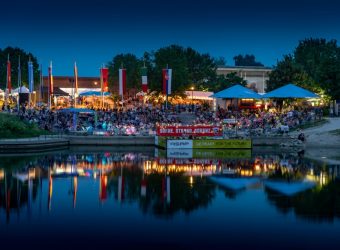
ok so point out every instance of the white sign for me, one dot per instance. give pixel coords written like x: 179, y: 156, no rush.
x: 229, y: 121
x: 179, y: 144
x: 179, y: 153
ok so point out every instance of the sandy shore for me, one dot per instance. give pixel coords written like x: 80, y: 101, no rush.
x: 321, y: 144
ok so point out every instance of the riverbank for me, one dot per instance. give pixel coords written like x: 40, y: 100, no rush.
x: 323, y: 142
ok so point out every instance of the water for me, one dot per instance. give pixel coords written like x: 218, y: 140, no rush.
x: 139, y: 198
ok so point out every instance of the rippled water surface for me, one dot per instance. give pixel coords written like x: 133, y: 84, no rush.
x: 147, y: 198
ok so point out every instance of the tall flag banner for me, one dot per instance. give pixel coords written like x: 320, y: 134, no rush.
x: 30, y: 76
x: 105, y: 76
x: 144, y: 73
x: 122, y: 81
x: 76, y: 78
x: 50, y: 80
x: 167, y: 76
x: 19, y: 75
x: 41, y: 83
x: 9, y: 78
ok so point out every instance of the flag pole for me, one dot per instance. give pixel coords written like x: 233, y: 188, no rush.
x: 75, y: 82
x: 166, y: 91
x: 102, y: 79
x: 41, y: 84
x: 7, y: 90
x: 29, y: 82
x: 101, y: 85
x: 19, y: 84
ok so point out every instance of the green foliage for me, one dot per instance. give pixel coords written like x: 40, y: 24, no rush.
x: 246, y: 60
x: 315, y: 65
x: 190, y: 68
x: 132, y: 65
x: 226, y: 81
x: 14, y: 54
x: 12, y: 127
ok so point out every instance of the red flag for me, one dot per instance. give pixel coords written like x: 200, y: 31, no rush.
x: 105, y: 76
x: 9, y: 80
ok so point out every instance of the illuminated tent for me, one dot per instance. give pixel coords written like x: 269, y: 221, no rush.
x: 238, y: 92
x: 234, y: 183
x: 289, y: 188
x: 94, y: 93
x: 290, y: 91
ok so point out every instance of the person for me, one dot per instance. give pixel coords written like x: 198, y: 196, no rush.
x: 301, y: 137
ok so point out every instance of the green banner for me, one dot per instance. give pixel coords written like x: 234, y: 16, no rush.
x: 222, y: 143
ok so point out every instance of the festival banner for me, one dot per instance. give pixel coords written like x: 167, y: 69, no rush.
x: 189, y: 130
x: 122, y: 81
x: 9, y: 79
x: 105, y: 76
x: 50, y: 80
x: 41, y: 83
x: 76, y: 78
x: 167, y: 77
x: 144, y: 79
x: 30, y: 76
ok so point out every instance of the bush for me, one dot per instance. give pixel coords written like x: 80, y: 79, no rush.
x: 12, y: 127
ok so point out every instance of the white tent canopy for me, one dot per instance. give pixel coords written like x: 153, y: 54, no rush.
x: 199, y: 95
x: 23, y: 90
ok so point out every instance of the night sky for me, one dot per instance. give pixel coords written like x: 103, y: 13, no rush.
x: 92, y: 33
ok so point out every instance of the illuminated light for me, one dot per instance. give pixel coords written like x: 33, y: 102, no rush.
x: 191, y: 180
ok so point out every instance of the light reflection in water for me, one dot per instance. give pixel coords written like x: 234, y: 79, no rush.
x: 134, y: 176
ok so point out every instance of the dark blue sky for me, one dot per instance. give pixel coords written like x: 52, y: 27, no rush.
x: 91, y: 33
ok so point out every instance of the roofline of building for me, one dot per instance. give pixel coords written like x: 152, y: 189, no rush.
x: 82, y: 77
x: 227, y: 67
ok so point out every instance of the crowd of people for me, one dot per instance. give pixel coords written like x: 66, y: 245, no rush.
x: 143, y: 120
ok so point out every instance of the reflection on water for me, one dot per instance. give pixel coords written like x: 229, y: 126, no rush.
x: 166, y: 188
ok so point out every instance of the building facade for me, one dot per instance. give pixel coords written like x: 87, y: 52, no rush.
x: 256, y: 77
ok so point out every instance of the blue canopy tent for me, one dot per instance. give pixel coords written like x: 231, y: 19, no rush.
x: 76, y: 112
x: 94, y: 93
x: 237, y: 91
x: 290, y: 91
x: 289, y: 188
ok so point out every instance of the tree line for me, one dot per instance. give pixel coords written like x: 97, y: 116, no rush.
x: 190, y: 69
x: 314, y: 65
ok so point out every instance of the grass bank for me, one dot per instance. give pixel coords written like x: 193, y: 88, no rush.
x: 12, y: 127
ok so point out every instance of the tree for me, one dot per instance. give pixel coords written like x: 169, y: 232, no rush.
x: 315, y: 65
x: 220, y: 61
x: 132, y: 65
x: 226, y: 81
x: 14, y: 54
x: 246, y: 60
x: 174, y: 57
x: 189, y: 67
x: 320, y: 59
